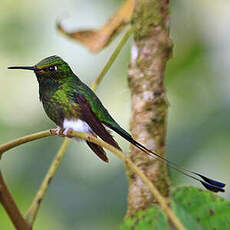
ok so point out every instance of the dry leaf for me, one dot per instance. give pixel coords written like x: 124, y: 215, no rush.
x: 96, y: 40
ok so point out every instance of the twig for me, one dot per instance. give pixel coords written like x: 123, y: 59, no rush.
x: 11, y: 208
x: 159, y: 198
x: 111, y: 59
x: 33, y: 210
x: 21, y: 140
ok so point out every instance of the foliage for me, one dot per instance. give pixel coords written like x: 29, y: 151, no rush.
x: 197, y: 209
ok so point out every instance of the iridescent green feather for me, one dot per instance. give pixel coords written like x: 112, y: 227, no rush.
x: 65, y: 95
x: 98, y: 109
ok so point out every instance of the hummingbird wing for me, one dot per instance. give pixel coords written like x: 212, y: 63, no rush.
x: 100, y: 114
x: 94, y: 123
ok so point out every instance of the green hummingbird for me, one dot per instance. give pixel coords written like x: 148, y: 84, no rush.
x: 71, y: 104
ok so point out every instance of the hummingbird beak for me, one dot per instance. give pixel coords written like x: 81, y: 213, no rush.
x: 24, y: 67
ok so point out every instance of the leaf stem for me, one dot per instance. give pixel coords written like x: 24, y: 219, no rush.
x: 33, y: 210
x: 112, y: 58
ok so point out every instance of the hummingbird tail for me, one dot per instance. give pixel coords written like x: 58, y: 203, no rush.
x: 98, y: 150
x: 210, y: 184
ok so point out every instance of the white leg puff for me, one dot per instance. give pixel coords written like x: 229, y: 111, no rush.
x: 58, y: 129
x: 76, y: 125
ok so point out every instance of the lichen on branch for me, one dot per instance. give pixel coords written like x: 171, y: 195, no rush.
x: 151, y: 50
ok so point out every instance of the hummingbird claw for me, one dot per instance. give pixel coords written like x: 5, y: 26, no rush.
x: 53, y: 131
x: 60, y: 132
x: 65, y: 132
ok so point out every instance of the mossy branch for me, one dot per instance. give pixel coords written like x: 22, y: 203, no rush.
x: 151, y: 49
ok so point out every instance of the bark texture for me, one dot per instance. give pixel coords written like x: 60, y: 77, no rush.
x: 151, y: 50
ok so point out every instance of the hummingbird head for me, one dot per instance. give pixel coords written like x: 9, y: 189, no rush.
x: 52, y: 69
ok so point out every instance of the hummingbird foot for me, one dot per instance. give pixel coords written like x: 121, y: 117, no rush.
x: 66, y: 131
x: 60, y: 132
x: 58, y: 129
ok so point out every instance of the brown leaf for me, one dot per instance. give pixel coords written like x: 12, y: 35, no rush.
x: 96, y: 40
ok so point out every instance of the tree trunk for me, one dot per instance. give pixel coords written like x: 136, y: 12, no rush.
x: 151, y: 50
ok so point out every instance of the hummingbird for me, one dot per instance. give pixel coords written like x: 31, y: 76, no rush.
x: 72, y: 105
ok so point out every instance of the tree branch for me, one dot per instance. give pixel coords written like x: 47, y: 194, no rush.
x: 21, y: 140
x: 11, y: 208
x: 151, y: 50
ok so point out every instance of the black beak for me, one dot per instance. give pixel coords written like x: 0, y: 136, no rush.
x: 24, y: 67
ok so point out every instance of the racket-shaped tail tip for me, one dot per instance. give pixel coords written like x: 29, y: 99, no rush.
x: 211, y: 181
x: 211, y: 187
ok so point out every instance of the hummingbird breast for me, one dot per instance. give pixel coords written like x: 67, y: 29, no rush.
x: 59, y: 107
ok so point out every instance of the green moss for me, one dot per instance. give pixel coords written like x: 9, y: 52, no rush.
x: 146, y: 15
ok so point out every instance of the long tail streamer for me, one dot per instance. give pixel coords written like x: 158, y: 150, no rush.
x: 210, y: 184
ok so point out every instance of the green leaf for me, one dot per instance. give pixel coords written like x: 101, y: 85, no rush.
x: 197, y: 210
x: 206, y: 209
x: 151, y: 218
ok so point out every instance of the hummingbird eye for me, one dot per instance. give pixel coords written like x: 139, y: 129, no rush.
x: 52, y: 68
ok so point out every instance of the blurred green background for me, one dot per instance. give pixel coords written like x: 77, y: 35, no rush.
x: 86, y: 193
